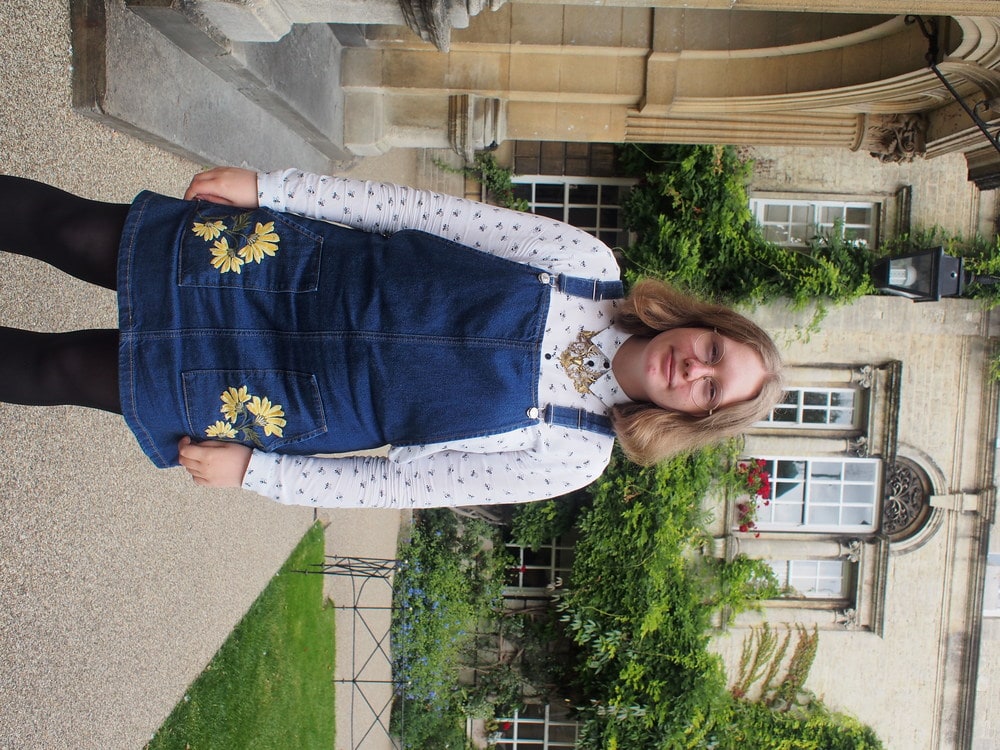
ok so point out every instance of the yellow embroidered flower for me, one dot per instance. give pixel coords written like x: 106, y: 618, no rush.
x: 224, y: 257
x: 208, y: 230
x: 267, y: 415
x: 260, y: 243
x: 233, y: 400
x: 220, y: 429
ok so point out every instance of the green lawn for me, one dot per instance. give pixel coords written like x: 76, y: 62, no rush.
x: 271, y: 683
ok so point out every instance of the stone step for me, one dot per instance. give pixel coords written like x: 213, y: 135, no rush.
x: 194, y: 93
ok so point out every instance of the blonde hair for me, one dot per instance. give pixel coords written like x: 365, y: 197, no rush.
x: 649, y: 434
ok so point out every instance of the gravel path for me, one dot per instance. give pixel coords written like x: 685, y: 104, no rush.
x: 117, y: 581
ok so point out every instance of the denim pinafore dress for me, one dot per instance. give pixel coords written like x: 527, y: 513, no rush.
x: 299, y: 336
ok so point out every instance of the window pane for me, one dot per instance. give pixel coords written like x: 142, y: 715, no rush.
x: 815, y: 398
x: 522, y: 191
x: 814, y: 416
x: 553, y: 212
x: 840, y: 417
x: 788, y: 469
x: 860, y: 472
x: 858, y: 215
x: 547, y: 193
x: 855, y: 516
x: 830, y: 214
x: 775, y: 234
x: 609, y: 217
x: 583, y: 217
x: 842, y: 398
x: 859, y: 494
x: 825, y: 493
x: 787, y: 513
x: 826, y: 470
x: 823, y: 515
x: 785, y: 414
x: 583, y: 194
x: 612, y: 194
x: 801, y: 214
x: 788, y: 492
x: 773, y: 212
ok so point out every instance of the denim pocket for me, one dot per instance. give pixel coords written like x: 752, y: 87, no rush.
x: 265, y: 409
x: 258, y: 249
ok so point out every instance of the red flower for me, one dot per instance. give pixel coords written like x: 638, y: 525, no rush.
x: 506, y: 726
x: 744, y: 528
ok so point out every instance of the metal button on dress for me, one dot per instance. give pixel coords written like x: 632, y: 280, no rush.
x: 532, y: 412
x: 545, y: 278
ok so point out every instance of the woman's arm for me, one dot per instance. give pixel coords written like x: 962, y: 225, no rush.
x: 448, y: 478
x: 387, y: 208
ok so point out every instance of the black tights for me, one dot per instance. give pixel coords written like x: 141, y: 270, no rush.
x: 80, y: 237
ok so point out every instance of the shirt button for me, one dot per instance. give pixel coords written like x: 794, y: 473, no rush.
x: 533, y: 412
x: 544, y: 277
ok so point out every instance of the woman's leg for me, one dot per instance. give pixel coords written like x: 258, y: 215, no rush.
x: 46, y: 369
x: 75, y: 235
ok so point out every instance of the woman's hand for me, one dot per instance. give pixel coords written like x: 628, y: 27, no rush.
x: 214, y: 463
x: 230, y: 186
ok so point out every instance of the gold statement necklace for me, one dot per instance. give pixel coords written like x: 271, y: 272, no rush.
x: 580, y: 361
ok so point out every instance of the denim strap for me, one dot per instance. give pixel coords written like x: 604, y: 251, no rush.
x: 567, y: 416
x: 577, y: 286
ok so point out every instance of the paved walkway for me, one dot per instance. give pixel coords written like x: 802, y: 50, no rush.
x: 117, y: 581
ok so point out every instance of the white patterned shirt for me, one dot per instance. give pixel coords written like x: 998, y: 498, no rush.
x: 531, y: 463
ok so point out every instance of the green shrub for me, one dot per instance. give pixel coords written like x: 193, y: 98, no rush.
x: 690, y: 213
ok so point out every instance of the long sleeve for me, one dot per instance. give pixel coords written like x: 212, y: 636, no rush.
x: 386, y: 208
x: 446, y: 478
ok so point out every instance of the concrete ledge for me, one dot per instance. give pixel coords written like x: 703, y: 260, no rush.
x: 200, y: 97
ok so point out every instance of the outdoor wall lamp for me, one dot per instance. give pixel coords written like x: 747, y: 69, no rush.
x: 924, y: 276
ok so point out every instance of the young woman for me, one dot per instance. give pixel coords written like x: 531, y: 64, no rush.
x: 261, y: 331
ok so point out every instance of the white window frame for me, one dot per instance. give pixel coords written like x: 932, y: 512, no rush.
x: 814, y: 222
x: 565, y: 207
x: 807, y: 393
x: 552, y: 568
x: 821, y: 492
x: 813, y: 579
x: 515, y: 742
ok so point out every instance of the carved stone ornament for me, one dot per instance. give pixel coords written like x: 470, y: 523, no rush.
x: 905, y: 506
x: 863, y: 376
x: 850, y: 550
x: 894, y: 138
x: 848, y: 619
x: 859, y: 446
x: 433, y: 20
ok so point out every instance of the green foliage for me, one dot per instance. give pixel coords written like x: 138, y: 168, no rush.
x: 694, y: 228
x: 450, y: 581
x: 754, y: 725
x: 496, y: 180
x: 271, y: 682
x: 628, y: 639
x: 642, y: 603
x: 535, y: 524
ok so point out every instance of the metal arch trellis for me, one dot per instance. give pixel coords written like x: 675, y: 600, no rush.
x: 363, y: 571
x: 929, y: 28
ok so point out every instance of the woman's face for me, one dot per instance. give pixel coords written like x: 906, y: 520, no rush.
x: 697, y: 371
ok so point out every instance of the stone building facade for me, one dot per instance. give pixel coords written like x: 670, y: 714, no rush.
x: 832, y: 73
x: 883, y: 458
